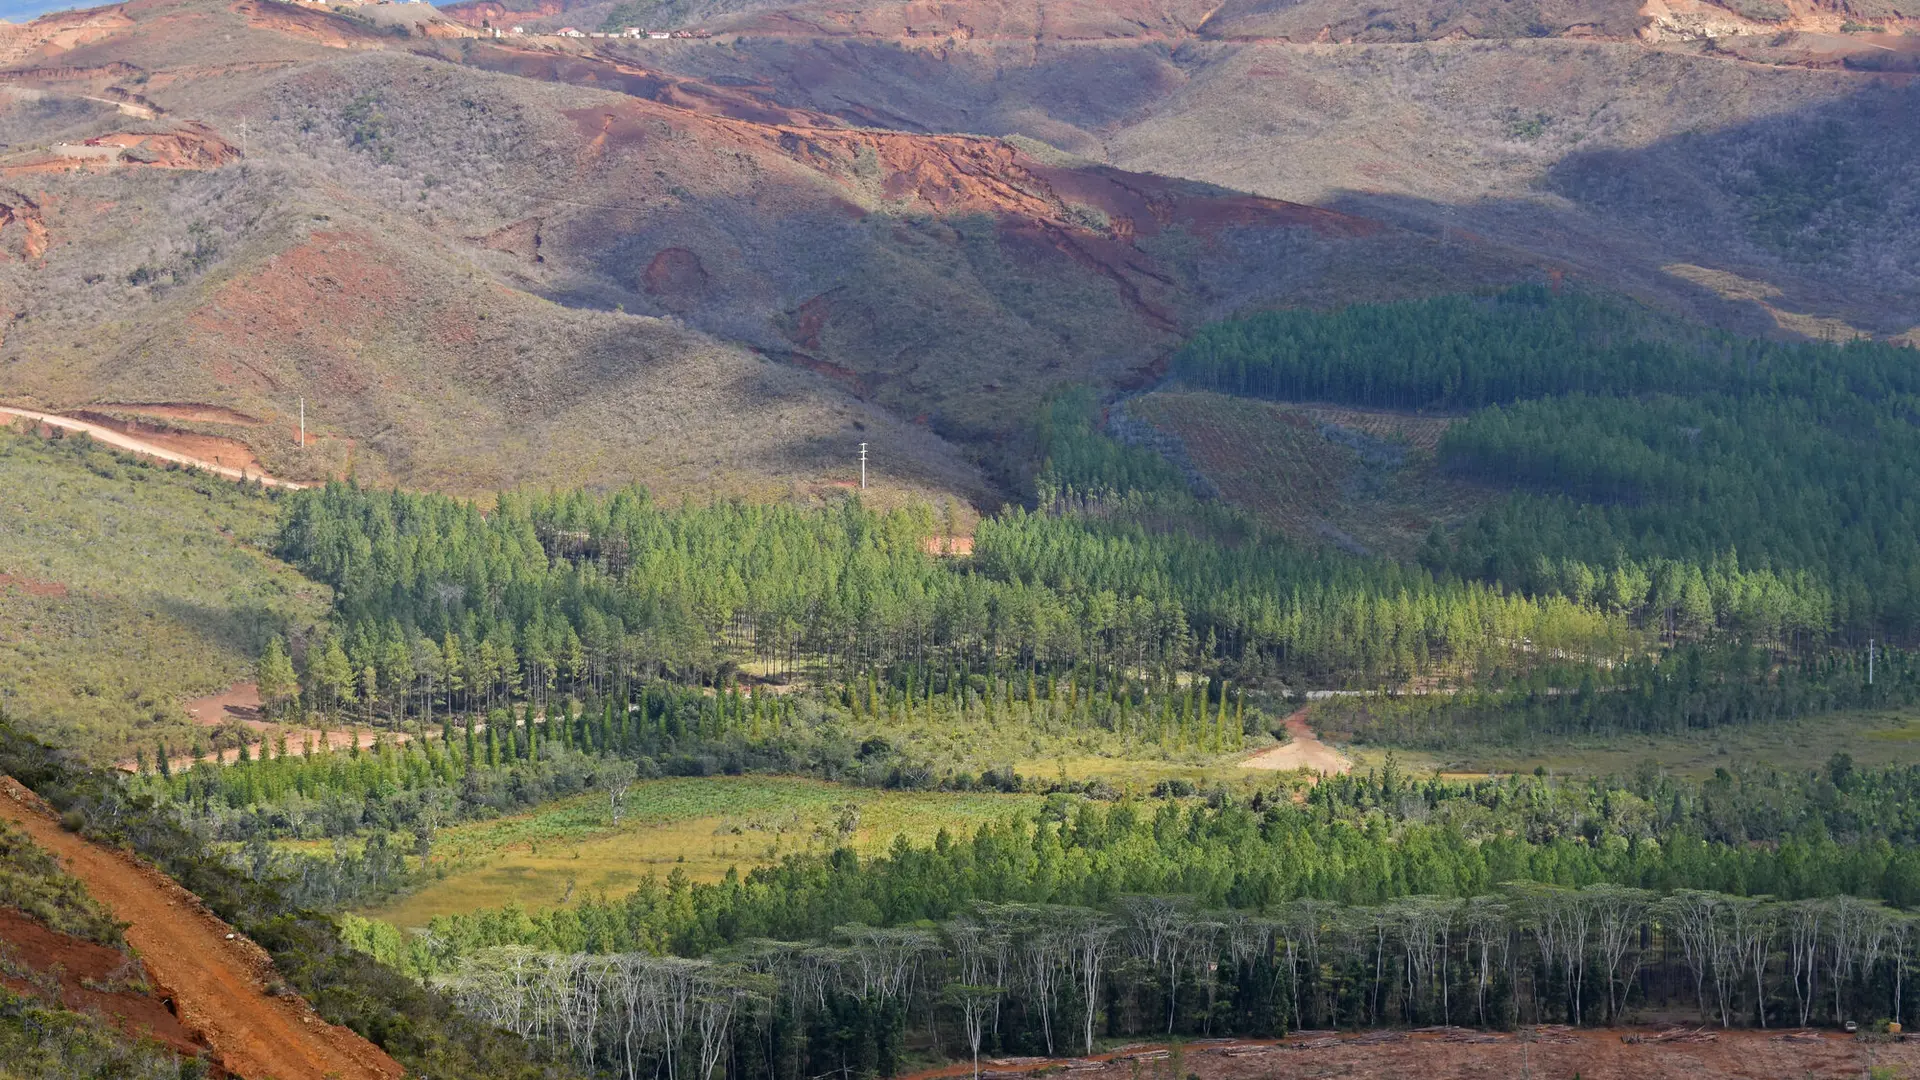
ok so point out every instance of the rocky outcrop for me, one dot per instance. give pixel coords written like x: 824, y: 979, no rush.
x: 22, y: 230
x: 193, y: 146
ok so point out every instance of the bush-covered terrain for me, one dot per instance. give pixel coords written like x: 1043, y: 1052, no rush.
x: 418, y: 1027
x: 32, y: 882
x: 126, y: 587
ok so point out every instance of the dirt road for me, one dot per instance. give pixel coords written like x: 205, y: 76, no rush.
x: 1304, y: 751
x: 217, y: 980
x: 241, y: 702
x: 1466, y: 1054
x: 134, y: 444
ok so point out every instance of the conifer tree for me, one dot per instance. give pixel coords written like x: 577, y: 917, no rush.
x: 275, y: 677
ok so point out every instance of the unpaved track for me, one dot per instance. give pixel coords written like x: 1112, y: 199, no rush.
x: 1305, y: 751
x: 218, y: 986
x: 1461, y: 1054
x: 138, y: 445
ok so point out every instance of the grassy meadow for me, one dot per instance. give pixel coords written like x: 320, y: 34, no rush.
x: 700, y: 826
x: 126, y: 588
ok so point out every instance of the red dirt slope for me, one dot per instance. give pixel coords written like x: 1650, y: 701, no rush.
x: 217, y: 980
x: 91, y: 978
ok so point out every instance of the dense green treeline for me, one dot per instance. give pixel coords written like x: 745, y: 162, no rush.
x: 1635, y: 440
x: 1820, y: 491
x: 1051, y: 979
x: 1076, y: 455
x: 383, y: 805
x: 442, y: 607
x: 1462, y: 352
x: 1355, y: 840
x: 1688, y: 689
x: 1376, y: 899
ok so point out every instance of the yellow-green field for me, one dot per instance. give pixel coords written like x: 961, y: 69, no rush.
x: 1874, y: 738
x: 701, y: 826
x: 705, y: 826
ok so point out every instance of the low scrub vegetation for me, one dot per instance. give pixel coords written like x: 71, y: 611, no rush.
x: 127, y: 587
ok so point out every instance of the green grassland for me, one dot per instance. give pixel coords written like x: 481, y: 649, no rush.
x: 699, y: 826
x: 702, y: 827
x: 128, y: 588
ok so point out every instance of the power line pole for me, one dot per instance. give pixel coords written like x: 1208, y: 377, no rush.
x: 303, y: 423
x: 863, y: 466
x: 1869, y: 661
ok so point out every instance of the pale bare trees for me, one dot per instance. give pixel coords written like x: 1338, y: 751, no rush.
x: 617, y: 777
x: 630, y: 1010
x: 1020, y: 977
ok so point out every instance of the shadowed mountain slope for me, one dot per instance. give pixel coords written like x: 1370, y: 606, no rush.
x: 715, y: 263
x: 485, y: 264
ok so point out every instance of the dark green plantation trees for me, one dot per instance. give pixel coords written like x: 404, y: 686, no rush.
x: 1639, y: 445
x: 442, y: 607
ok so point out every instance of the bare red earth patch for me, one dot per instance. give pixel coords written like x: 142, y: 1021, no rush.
x: 32, y: 587
x: 677, y: 278
x: 92, y: 978
x: 226, y: 453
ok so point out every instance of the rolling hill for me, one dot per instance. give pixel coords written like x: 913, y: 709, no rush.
x: 716, y: 263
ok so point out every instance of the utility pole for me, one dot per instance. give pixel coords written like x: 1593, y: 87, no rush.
x: 1869, y: 661
x: 863, y: 466
x: 303, y: 423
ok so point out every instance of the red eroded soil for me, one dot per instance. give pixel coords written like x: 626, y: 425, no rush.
x: 1302, y: 750
x: 204, y: 414
x: 948, y: 545
x: 324, y: 297
x: 82, y: 968
x: 31, y: 587
x: 699, y: 98
x: 961, y: 21
x: 318, y: 26
x: 676, y: 277
x: 493, y: 13
x: 52, y: 35
x: 521, y: 238
x: 191, y: 147
x: 946, y: 174
x: 221, y: 452
x: 241, y: 701
x: 21, y: 223
x: 1464, y: 1054
x: 217, y: 980
x: 140, y: 444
